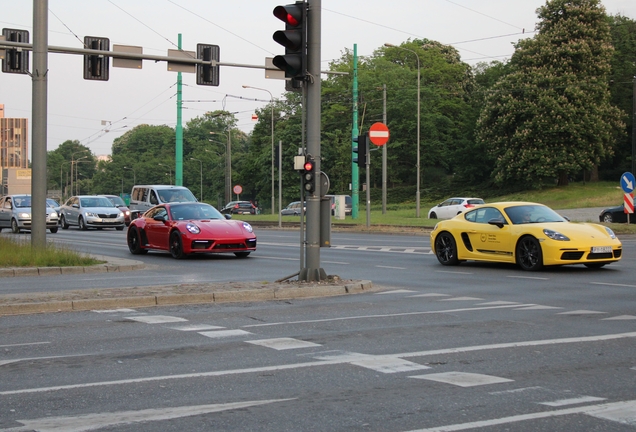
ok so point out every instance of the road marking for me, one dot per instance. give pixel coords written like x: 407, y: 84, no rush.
x: 30, y: 359
x: 452, y: 272
x: 572, y: 401
x: 109, y: 311
x: 460, y: 299
x: 292, y: 366
x: 283, y: 343
x: 431, y: 295
x: 379, y: 363
x: 463, y: 379
x: 156, y: 319
x: 611, y: 284
x: 24, y: 344
x: 538, y: 307
x: 224, y: 333
x: 87, y: 422
x: 498, y: 303
x: 384, y: 315
x: 195, y: 327
x: 528, y: 277
x: 391, y: 267
x: 518, y: 390
x: 581, y: 312
x: 620, y: 317
x: 618, y: 411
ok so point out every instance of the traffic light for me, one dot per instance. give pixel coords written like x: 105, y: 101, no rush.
x: 309, y: 175
x: 96, y: 66
x: 293, y: 38
x: 208, y: 74
x: 361, y: 150
x: 16, y: 60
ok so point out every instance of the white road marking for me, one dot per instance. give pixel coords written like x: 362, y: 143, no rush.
x: 529, y: 277
x: 283, y: 343
x: 612, y: 284
x: 620, y: 317
x: 30, y: 359
x: 391, y: 267
x: 573, y: 401
x: 224, y: 333
x: 24, y: 344
x: 324, y: 363
x: 156, y: 319
x: 463, y: 379
x: 452, y: 272
x: 379, y: 363
x: 94, y: 421
x: 460, y: 299
x: 195, y: 327
x: 581, y: 312
x: 335, y: 262
x: 498, y: 303
x: 518, y: 390
x: 538, y: 307
x: 471, y: 309
x: 275, y: 258
x: 431, y: 295
x: 618, y: 411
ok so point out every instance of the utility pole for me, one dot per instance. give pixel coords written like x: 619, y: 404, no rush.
x: 355, y: 173
x: 384, y: 157
x: 178, y: 157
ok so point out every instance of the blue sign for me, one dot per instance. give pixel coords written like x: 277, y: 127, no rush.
x: 627, y: 182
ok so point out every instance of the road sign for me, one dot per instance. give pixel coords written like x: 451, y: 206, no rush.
x: 378, y: 134
x: 627, y: 182
x: 629, y: 203
x: 238, y: 189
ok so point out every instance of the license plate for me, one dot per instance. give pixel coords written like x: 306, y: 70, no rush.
x: 109, y: 220
x: 601, y: 249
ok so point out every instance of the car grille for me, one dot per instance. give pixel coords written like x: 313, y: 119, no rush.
x: 201, y: 244
x: 230, y: 246
x: 108, y: 215
x: 571, y: 256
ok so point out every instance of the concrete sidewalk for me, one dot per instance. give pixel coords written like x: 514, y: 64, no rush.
x: 163, y: 295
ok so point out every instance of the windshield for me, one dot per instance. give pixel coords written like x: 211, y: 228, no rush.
x: 527, y: 214
x: 22, y: 202
x: 96, y: 202
x: 195, y: 212
x: 117, y: 201
x: 51, y: 203
x: 176, y: 195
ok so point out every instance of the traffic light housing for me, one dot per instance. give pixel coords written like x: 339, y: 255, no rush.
x: 309, y: 175
x: 361, y: 150
x: 16, y: 60
x: 96, y: 66
x: 208, y: 74
x: 293, y: 38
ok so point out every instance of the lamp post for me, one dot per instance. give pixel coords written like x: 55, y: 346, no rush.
x: 134, y: 175
x: 272, y: 103
x: 417, y: 193
x: 228, y: 166
x: 74, y: 162
x: 201, y: 174
x: 61, y: 179
x: 170, y: 168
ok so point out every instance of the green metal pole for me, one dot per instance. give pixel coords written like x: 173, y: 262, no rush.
x: 178, y: 157
x: 355, y: 175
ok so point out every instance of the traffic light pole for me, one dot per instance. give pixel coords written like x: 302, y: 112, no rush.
x: 312, y: 270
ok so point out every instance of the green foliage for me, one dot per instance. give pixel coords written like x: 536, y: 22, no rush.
x: 17, y: 253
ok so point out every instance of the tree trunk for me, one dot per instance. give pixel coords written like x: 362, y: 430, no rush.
x: 563, y: 179
x: 594, y: 174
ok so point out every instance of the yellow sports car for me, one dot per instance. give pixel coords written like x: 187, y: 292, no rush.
x: 529, y: 234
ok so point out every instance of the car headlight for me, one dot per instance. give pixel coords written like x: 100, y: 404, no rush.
x: 555, y: 235
x: 24, y: 215
x: 91, y: 214
x: 193, y: 228
x: 53, y: 214
x: 127, y: 212
x: 610, y: 232
x: 247, y: 227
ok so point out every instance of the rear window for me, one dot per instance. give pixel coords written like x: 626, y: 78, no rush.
x: 476, y: 201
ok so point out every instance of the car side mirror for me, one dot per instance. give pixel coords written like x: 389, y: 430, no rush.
x: 76, y: 205
x: 227, y: 216
x: 497, y: 221
x: 159, y: 218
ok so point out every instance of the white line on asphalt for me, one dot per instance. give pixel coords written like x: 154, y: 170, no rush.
x: 24, y: 344
x: 572, y: 401
x: 528, y: 277
x: 452, y: 272
x: 391, y: 267
x: 611, y: 284
x: 30, y: 359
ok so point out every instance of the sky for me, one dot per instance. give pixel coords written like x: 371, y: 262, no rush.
x: 97, y: 112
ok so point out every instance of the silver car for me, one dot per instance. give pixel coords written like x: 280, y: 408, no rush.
x: 15, y: 213
x: 91, y: 211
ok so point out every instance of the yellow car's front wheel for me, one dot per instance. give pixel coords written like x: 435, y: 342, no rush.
x: 528, y: 254
x: 446, y: 249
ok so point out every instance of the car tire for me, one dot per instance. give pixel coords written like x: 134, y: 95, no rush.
x: 134, y: 242
x: 53, y: 230
x: 15, y: 229
x: 81, y: 224
x: 594, y: 265
x: 607, y: 218
x: 176, y: 245
x: 121, y: 228
x: 63, y: 223
x: 241, y: 254
x: 433, y: 216
x: 446, y: 249
x: 528, y: 254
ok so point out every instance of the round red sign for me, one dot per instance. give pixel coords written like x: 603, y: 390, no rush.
x: 238, y: 189
x: 379, y: 134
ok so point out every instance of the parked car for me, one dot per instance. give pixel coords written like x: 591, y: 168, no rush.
x: 121, y: 205
x: 239, y: 207
x: 189, y: 228
x: 616, y: 215
x: 15, y: 213
x: 528, y: 234
x: 295, y: 209
x: 452, y: 207
x: 91, y: 211
x: 144, y: 197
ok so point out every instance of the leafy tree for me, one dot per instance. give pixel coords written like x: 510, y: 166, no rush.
x: 551, y: 117
x: 71, y: 154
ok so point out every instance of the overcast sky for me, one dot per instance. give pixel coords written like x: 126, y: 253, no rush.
x: 96, y: 112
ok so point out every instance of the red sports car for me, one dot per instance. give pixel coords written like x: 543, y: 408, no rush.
x: 188, y: 228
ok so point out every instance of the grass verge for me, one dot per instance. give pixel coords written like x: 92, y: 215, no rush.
x: 19, y: 253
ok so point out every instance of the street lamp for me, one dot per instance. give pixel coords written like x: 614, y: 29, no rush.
x: 272, y: 103
x: 170, y: 168
x: 417, y: 193
x: 134, y: 175
x: 74, y: 162
x: 201, y: 171
x: 228, y: 166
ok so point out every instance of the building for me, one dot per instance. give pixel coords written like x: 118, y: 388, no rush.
x: 14, y: 154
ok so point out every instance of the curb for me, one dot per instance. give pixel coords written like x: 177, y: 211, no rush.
x: 111, y: 265
x: 265, y: 294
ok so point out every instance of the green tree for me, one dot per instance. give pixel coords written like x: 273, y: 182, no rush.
x: 551, y: 117
x: 70, y: 161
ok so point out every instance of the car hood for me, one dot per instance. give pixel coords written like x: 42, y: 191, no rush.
x: 107, y: 210
x: 49, y: 210
x: 220, y: 226
x: 584, y: 233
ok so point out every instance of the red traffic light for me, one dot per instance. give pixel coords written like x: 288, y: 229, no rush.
x: 309, y: 166
x: 291, y: 15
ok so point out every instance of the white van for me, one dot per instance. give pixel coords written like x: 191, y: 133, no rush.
x: 144, y: 197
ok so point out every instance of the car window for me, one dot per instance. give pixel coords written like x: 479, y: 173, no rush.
x: 153, y: 198
x: 117, y: 201
x: 22, y: 202
x: 7, y: 203
x: 476, y: 201
x: 456, y: 202
x: 526, y: 214
x: 155, y: 211
x: 485, y: 215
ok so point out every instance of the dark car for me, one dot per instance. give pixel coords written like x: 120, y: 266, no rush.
x: 616, y: 215
x: 239, y: 207
x: 121, y: 205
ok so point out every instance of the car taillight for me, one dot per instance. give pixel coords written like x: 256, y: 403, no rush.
x: 236, y: 206
x: 469, y: 205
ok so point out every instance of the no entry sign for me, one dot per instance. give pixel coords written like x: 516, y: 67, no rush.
x: 379, y: 133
